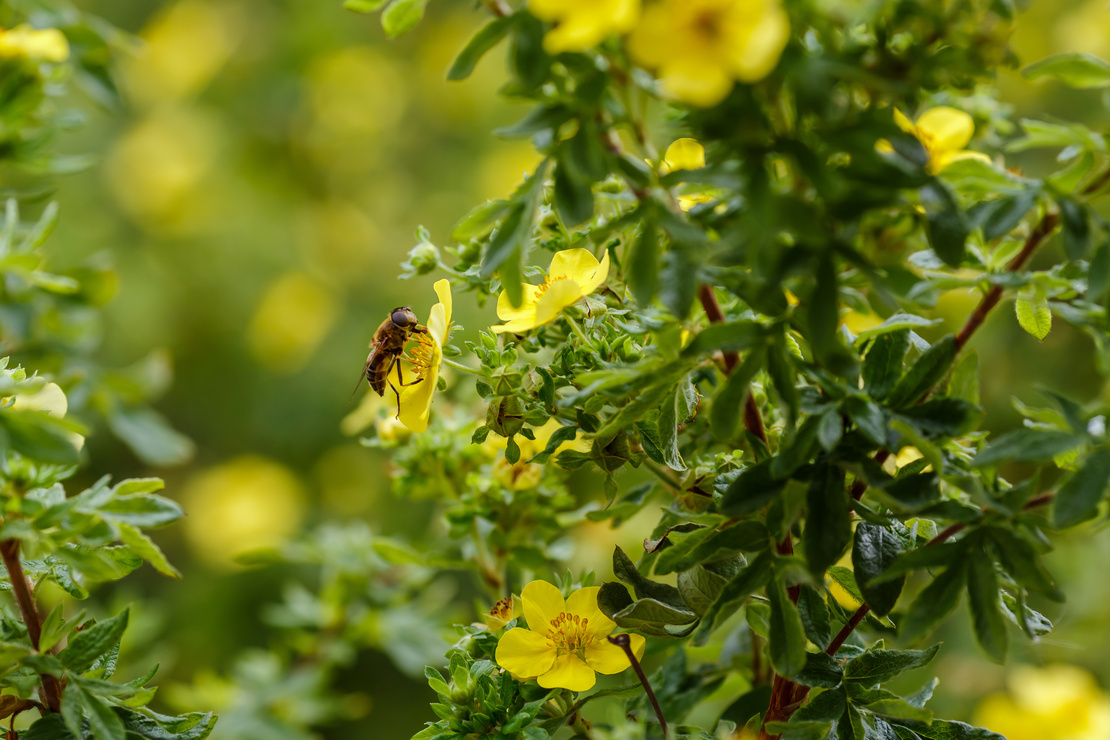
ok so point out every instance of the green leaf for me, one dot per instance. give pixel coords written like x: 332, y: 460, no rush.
x: 727, y: 408
x: 874, y: 550
x: 822, y: 315
x: 642, y: 264
x: 88, y: 645
x: 1040, y: 134
x: 1077, y: 500
x: 882, y: 366
x: 733, y: 336
x: 943, y: 729
x: 943, y: 417
x: 678, y: 281
x: 476, y: 48
x: 926, y: 556
x: 653, y: 617
x: 732, y: 596
x: 926, y: 372
x: 895, y: 324
x: 821, y: 670
x: 1098, y: 277
x: 625, y: 571
x: 1035, y: 317
x: 145, y: 548
x: 1077, y: 228
x: 986, y: 611
x: 668, y: 430
x: 38, y: 436
x: 868, y: 418
x: 1026, y: 445
x: 1073, y: 69
x: 1000, y: 216
x: 935, y: 602
x: 1021, y: 560
x: 707, y: 545
x: 751, y: 490
x: 829, y: 519
x: 191, y: 726
x: 700, y: 587
x: 574, y: 200
x: 50, y: 727
x: 364, y: 6
x: 505, y: 248
x: 878, y: 666
x: 815, y: 616
x: 787, y: 642
x: 151, y: 437
x: 402, y: 16
x: 481, y: 220
x: 142, y: 510
x: 947, y: 225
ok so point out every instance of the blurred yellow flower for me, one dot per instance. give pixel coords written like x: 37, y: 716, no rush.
x: 246, y: 504
x: 291, y: 320
x: 944, y: 132
x: 857, y: 322
x: 700, y: 47
x: 581, y: 24
x: 565, y: 643
x: 573, y: 274
x: 1057, y: 702
x: 684, y: 154
x: 51, y: 399
x: 426, y: 358
x: 45, y: 45
x: 522, y: 475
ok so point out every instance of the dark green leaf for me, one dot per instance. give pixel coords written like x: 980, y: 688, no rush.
x: 925, y: 373
x: 574, y: 200
x: 668, y: 430
x: 874, y: 550
x: 780, y: 366
x: 751, y: 490
x: 787, y: 642
x: 1000, y: 216
x: 50, y: 727
x: 935, y: 602
x: 642, y: 264
x: 820, y: 670
x: 653, y: 617
x: 732, y: 596
x: 799, y: 450
x: 943, y: 729
x: 191, y: 726
x: 822, y: 312
x: 477, y: 47
x: 89, y: 644
x: 1078, y: 499
x: 706, y: 545
x: 883, y: 365
x: 1077, y: 228
x: 1026, y: 445
x: 878, y: 666
x: 1021, y: 560
x: 943, y: 417
x: 733, y: 336
x: 986, y: 612
x: 727, y: 408
x: 700, y: 587
x: 828, y: 520
x: 1073, y: 69
x: 625, y: 571
x: 678, y: 282
x: 868, y: 418
x: 947, y: 225
x: 815, y: 616
x: 1098, y: 277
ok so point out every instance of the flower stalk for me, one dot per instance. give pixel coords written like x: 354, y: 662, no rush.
x: 51, y: 692
x: 623, y: 641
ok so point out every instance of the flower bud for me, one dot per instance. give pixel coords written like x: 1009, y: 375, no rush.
x: 424, y: 258
x: 505, y: 416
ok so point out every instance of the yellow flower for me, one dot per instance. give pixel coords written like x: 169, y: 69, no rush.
x: 565, y: 642
x: 503, y: 612
x: 699, y: 47
x: 523, y: 475
x: 684, y: 154
x: 581, y: 24
x: 573, y: 274
x: 425, y: 359
x: 1058, y: 702
x: 944, y: 132
x: 46, y: 45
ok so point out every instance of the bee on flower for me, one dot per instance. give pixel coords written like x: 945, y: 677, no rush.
x: 425, y: 360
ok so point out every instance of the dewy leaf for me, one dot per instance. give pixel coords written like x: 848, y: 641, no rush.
x: 1035, y: 317
x: 874, y: 550
x: 878, y: 666
x: 1073, y: 69
x: 787, y: 642
x: 88, y: 645
x: 1078, y: 499
x: 477, y: 47
x: 986, y: 610
x: 1026, y: 445
x: 402, y: 16
x: 935, y: 602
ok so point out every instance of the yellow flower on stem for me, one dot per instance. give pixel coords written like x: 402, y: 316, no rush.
x: 565, y: 643
x: 573, y: 275
x: 684, y: 154
x: 582, y: 24
x: 45, y: 45
x: 425, y: 360
x: 944, y: 132
x: 503, y: 612
x: 700, y: 47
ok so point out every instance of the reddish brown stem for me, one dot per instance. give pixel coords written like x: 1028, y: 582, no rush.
x: 51, y: 693
x: 624, y: 642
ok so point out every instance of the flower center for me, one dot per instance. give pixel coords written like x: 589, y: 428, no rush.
x: 548, y: 282
x: 422, y: 356
x: 503, y: 609
x: 707, y: 24
x: 569, y: 633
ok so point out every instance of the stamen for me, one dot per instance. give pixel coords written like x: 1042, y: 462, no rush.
x: 547, y: 283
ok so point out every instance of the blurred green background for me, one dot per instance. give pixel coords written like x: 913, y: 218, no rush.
x: 256, y: 196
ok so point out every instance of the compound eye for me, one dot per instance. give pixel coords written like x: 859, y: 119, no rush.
x: 400, y: 317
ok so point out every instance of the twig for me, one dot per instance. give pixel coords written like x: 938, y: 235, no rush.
x: 9, y: 551
x: 624, y: 642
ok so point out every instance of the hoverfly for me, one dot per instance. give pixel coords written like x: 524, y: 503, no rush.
x: 386, y: 349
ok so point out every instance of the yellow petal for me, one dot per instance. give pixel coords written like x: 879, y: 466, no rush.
x: 542, y: 604
x: 48, y: 44
x: 525, y: 654
x: 583, y: 603
x: 944, y: 159
x: 547, y: 10
x: 443, y: 290
x: 516, y: 326
x: 559, y: 295
x: 568, y: 672
x: 605, y: 657
x: 575, y: 264
x: 904, y: 123
x: 506, y: 311
x: 758, y: 54
x: 949, y: 128
x: 438, y: 324
x: 600, y: 274
x: 416, y: 399
x: 574, y: 34
x: 684, y: 154
x: 648, y: 43
x: 696, y: 82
